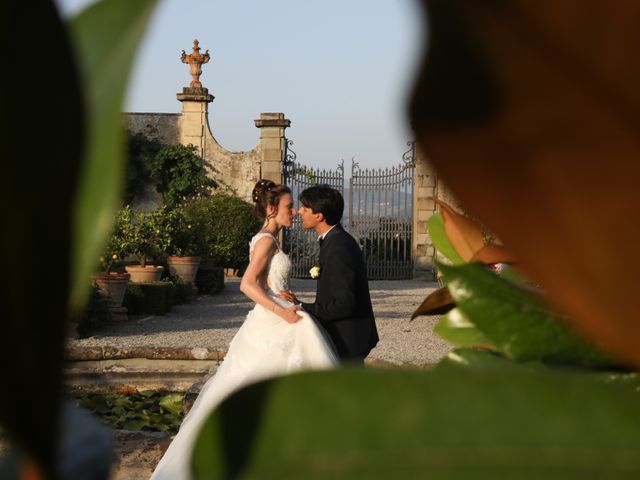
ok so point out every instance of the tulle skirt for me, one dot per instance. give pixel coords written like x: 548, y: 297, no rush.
x: 265, y: 346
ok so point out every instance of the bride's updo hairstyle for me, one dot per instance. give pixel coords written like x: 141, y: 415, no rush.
x: 267, y: 193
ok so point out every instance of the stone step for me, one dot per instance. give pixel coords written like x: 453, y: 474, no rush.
x: 107, y: 369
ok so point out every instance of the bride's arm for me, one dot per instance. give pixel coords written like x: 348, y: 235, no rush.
x: 263, y: 251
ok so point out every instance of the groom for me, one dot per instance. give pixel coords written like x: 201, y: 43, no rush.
x: 343, y: 304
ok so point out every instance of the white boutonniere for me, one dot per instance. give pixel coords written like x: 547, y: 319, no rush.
x: 315, y: 271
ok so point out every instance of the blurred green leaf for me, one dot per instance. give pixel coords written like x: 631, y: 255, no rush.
x: 106, y: 36
x: 42, y: 138
x: 123, y: 402
x: 449, y: 424
x: 172, y: 403
x: 435, y: 226
x: 456, y: 328
x: 150, y: 409
x: 135, y: 425
x: 517, y: 321
x: 630, y: 379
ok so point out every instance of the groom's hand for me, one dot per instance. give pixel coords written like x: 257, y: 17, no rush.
x: 289, y: 296
x: 291, y: 314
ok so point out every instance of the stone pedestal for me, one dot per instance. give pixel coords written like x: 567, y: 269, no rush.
x: 194, y: 121
x: 272, y: 144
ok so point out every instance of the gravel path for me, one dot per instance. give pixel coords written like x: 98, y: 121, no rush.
x: 212, y: 320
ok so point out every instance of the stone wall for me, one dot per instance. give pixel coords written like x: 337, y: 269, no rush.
x: 163, y: 127
x: 235, y: 172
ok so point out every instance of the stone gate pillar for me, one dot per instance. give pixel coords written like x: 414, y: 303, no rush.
x: 272, y: 145
x: 425, y: 189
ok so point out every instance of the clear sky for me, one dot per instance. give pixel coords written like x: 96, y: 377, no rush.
x: 340, y: 70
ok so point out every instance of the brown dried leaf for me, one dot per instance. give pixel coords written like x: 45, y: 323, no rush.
x: 464, y: 233
x: 437, y: 302
x: 531, y: 116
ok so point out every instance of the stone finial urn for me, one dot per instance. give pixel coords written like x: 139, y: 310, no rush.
x: 195, y: 61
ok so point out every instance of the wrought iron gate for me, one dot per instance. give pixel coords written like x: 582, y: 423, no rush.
x: 380, y: 210
x: 380, y: 216
x: 302, y: 245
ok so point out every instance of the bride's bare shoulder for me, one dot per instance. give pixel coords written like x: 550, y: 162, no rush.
x: 263, y: 244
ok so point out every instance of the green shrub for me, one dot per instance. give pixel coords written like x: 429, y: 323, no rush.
x: 228, y: 225
x: 96, y: 315
x: 141, y: 153
x: 152, y: 297
x: 209, y: 279
x: 181, y: 291
x: 170, y: 297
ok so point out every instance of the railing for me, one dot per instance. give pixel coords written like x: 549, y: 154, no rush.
x: 380, y: 216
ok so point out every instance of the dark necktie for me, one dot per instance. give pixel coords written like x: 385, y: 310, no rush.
x: 320, y: 240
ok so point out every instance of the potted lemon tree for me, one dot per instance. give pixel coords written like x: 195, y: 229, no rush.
x: 182, y: 241
x: 139, y: 234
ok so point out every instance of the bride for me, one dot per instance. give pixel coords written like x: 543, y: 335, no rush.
x: 276, y: 338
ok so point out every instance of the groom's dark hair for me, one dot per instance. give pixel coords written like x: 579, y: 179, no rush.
x: 326, y: 200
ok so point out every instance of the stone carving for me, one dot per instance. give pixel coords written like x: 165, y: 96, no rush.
x: 195, y: 61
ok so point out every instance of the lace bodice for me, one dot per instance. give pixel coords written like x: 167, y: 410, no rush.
x: 279, y: 270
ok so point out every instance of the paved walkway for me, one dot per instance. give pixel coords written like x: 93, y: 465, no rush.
x: 212, y: 320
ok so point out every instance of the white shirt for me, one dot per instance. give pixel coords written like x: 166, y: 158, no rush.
x: 321, y: 237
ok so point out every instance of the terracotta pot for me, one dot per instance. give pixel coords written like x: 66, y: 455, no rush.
x: 146, y: 274
x: 184, y: 267
x: 113, y: 284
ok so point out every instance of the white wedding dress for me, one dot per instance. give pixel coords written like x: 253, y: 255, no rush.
x: 265, y: 346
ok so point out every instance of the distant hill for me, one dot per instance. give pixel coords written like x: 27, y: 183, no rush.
x: 378, y: 203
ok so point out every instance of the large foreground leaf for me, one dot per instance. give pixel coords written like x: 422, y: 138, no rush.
x: 482, y: 360
x: 39, y: 192
x: 106, y: 36
x: 445, y: 424
x: 530, y: 114
x: 516, y: 321
x: 456, y: 328
x: 42, y: 139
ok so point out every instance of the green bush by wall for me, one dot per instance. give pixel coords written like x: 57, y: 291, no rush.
x: 229, y: 224
x: 154, y: 297
x: 209, y: 279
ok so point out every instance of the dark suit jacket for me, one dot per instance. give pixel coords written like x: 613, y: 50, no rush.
x: 343, y: 303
